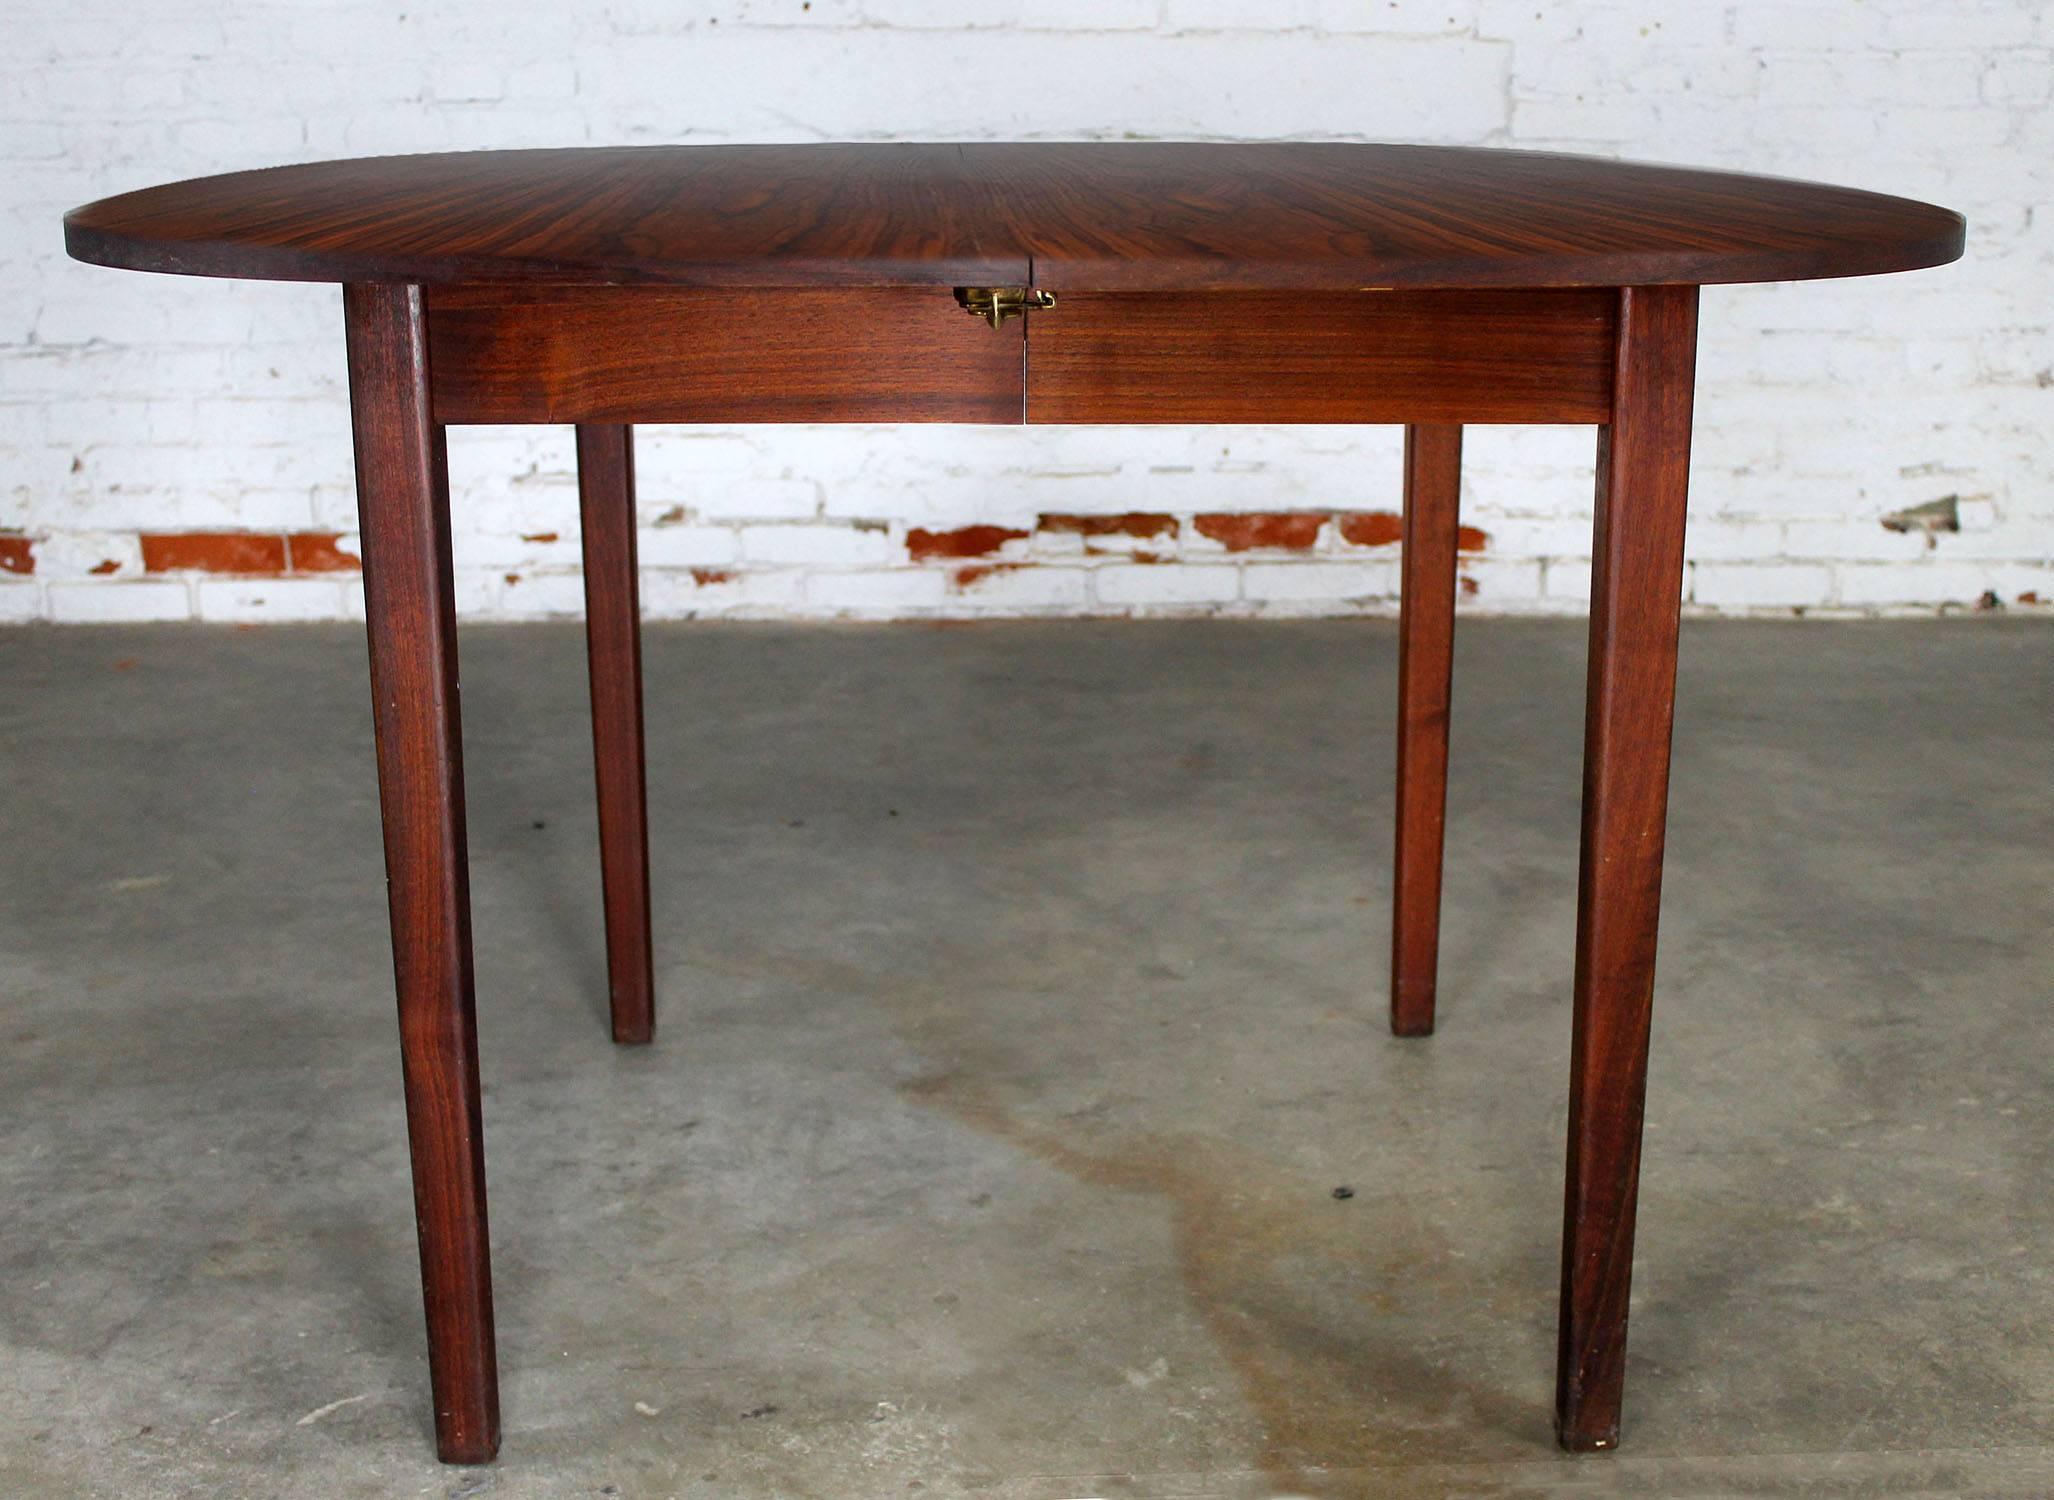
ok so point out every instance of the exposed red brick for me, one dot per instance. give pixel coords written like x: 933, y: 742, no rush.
x: 213, y: 552
x: 976, y: 573
x: 2030, y: 596
x: 538, y: 536
x: 1469, y: 585
x: 672, y: 516
x: 1371, y: 528
x: 17, y: 555
x: 706, y: 576
x: 1382, y: 528
x: 1291, y: 530
x: 105, y: 566
x: 513, y: 578
x: 1135, y: 523
x: 318, y: 552
x: 967, y: 541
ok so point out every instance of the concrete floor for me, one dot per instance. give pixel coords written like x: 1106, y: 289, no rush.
x: 1022, y: 994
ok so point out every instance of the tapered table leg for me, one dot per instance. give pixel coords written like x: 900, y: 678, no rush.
x: 1426, y: 643
x: 613, y: 638
x: 403, y: 501
x: 1636, y: 590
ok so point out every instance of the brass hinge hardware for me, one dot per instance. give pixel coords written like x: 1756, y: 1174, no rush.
x: 995, y: 304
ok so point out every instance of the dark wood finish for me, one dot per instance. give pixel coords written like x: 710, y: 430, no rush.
x: 1099, y: 216
x: 1426, y: 664
x: 1426, y: 357
x: 613, y: 644
x: 403, y: 504
x: 656, y: 354
x: 1636, y: 595
x: 1196, y: 283
x: 586, y: 354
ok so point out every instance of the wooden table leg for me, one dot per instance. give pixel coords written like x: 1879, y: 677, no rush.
x: 613, y: 638
x: 1426, y: 645
x: 403, y: 501
x: 1636, y: 591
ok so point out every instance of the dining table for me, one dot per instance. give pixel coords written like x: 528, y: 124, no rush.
x: 1105, y: 282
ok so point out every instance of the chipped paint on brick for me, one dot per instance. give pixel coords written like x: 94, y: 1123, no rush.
x: 1284, y: 530
x: 1928, y: 520
x: 1371, y: 528
x: 538, y: 536
x: 966, y: 541
x: 976, y: 573
x: 1386, y: 528
x: 105, y: 566
x: 675, y: 516
x: 707, y: 577
x: 1134, y: 523
x: 240, y: 552
x: 17, y: 554
x: 320, y: 552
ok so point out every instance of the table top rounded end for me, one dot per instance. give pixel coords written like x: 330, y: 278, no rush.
x: 1113, y: 216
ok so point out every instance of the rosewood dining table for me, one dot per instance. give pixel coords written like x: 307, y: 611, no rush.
x: 1102, y: 282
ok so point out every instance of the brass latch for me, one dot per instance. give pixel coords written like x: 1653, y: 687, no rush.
x: 995, y: 304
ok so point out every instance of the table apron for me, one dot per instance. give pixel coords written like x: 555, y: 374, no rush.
x: 563, y: 354
x: 1412, y: 357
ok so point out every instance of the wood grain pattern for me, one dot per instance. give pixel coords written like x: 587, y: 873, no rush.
x: 613, y: 643
x: 1636, y: 594
x: 616, y: 355
x: 1426, y: 665
x: 1413, y: 357
x: 1103, y: 216
x: 1196, y: 283
x: 403, y: 503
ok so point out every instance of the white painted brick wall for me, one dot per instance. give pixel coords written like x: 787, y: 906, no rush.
x: 133, y: 405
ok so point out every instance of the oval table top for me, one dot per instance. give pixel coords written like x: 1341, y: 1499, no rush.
x: 1110, y: 216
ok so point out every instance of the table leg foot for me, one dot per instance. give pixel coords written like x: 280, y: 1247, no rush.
x: 403, y: 501
x: 1636, y: 590
x: 613, y: 634
x: 1426, y: 638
